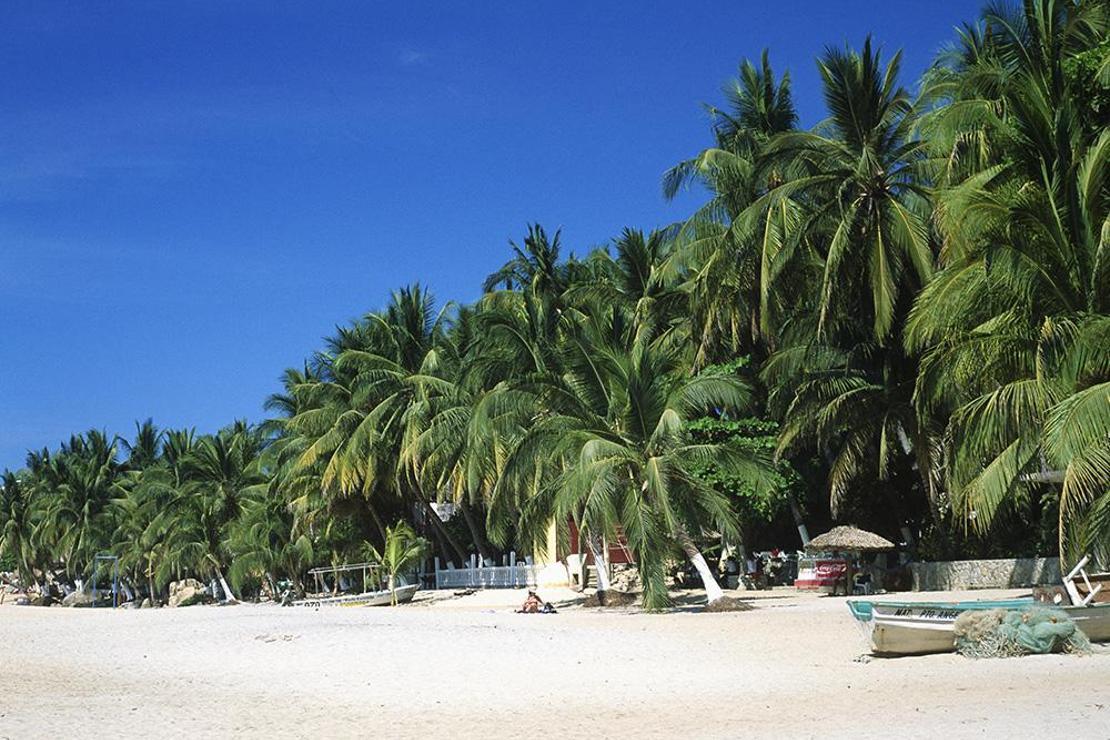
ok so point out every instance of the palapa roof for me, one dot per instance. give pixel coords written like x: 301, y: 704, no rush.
x: 849, y: 538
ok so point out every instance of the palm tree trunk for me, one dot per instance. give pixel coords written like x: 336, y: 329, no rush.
x: 223, y: 585
x: 712, y: 588
x: 475, y: 531
x: 799, y: 521
x: 378, y: 525
x: 924, y: 461
x: 150, y: 582
x: 601, y: 563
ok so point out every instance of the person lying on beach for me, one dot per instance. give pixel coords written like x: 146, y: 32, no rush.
x: 531, y: 605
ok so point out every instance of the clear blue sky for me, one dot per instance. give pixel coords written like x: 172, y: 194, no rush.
x: 193, y: 193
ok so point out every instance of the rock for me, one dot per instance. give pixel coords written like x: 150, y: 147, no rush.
x: 188, y: 592
x: 147, y: 603
x: 625, y: 578
x: 78, y: 598
x: 42, y: 600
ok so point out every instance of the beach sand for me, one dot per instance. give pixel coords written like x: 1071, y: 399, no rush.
x: 470, y: 667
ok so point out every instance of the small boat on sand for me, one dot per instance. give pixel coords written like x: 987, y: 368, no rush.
x: 921, y: 627
x: 342, y: 579
x: 369, y: 598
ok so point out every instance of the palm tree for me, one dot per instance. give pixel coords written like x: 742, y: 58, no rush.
x: 1013, y: 327
x: 403, y: 550
x: 223, y: 470
x: 265, y: 541
x: 147, y: 515
x: 17, y: 525
x: 536, y: 266
x: 639, y: 276
x: 610, y: 450
x: 740, y: 256
x: 146, y: 448
x: 77, y: 487
x: 858, y: 174
x: 838, y: 376
x: 357, y: 426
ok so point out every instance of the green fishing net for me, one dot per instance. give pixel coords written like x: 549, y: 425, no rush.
x: 1003, y: 633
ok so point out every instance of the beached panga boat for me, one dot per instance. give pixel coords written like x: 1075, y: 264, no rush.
x: 369, y: 598
x: 921, y: 627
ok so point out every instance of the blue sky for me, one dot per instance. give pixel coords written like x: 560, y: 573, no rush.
x: 193, y: 194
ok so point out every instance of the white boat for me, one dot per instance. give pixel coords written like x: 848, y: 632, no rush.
x: 921, y: 627
x: 368, y: 598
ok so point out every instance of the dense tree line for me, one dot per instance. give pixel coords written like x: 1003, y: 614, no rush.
x: 900, y: 317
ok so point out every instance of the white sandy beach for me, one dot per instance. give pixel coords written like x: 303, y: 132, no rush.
x: 469, y: 667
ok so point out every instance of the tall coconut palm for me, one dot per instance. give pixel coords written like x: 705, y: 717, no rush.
x: 223, y: 470
x: 536, y: 266
x: 77, y: 487
x: 740, y: 254
x: 858, y: 175
x: 839, y: 375
x: 1013, y: 327
x: 358, y: 430
x: 17, y: 525
x: 610, y: 451
x: 265, y: 542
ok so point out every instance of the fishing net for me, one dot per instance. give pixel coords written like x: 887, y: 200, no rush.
x: 1002, y: 633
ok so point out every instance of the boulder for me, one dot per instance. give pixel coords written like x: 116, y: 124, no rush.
x: 78, y: 598
x: 188, y: 592
x: 147, y: 603
x: 42, y: 600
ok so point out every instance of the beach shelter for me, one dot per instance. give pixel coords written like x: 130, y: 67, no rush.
x: 849, y: 540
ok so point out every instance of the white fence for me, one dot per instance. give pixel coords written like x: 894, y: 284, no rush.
x: 482, y: 575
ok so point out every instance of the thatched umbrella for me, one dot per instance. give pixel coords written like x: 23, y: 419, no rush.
x: 849, y: 539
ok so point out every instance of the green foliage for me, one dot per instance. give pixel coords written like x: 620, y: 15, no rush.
x: 755, y: 502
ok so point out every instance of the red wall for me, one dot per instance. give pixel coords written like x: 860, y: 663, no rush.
x: 619, y: 551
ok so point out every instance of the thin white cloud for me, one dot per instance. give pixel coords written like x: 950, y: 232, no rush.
x: 412, y: 57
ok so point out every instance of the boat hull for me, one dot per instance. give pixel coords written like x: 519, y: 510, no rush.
x: 909, y: 628
x: 372, y: 598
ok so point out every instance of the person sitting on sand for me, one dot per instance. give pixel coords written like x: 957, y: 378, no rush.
x: 531, y: 605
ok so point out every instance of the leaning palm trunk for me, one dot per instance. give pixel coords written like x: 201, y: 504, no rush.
x: 230, y: 597
x: 378, y: 525
x: 150, y: 583
x: 601, y: 563
x: 475, y: 531
x: 799, y: 521
x: 712, y: 588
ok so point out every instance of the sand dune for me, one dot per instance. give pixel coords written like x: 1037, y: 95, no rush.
x: 469, y: 667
